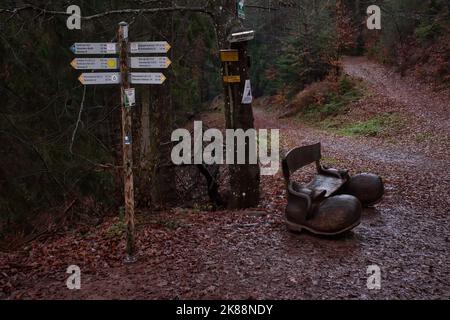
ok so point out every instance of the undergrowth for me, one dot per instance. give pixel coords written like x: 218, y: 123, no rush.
x: 373, y: 127
x: 334, y: 103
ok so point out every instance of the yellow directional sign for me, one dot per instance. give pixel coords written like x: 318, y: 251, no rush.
x: 229, y: 55
x: 232, y: 79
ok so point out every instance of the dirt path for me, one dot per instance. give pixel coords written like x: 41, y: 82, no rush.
x: 242, y: 255
x: 432, y: 108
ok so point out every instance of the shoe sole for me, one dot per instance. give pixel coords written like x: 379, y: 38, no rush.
x: 374, y: 203
x: 299, y: 228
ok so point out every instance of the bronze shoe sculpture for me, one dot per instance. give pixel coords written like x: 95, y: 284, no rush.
x: 368, y: 188
x: 329, y: 204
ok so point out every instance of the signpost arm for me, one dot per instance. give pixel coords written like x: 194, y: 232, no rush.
x: 127, y: 144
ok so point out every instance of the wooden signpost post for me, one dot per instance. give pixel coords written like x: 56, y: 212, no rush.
x: 127, y: 134
x: 123, y: 76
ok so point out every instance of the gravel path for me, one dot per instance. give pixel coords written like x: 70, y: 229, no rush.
x: 242, y: 255
x: 414, y: 97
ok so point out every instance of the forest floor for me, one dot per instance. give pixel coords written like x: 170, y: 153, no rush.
x: 190, y: 254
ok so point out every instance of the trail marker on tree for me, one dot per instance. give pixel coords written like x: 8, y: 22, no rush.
x: 232, y: 79
x: 128, y: 97
x: 241, y: 9
x: 242, y: 36
x: 247, y: 97
x: 229, y: 55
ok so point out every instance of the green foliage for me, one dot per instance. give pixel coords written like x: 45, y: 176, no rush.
x: 288, y: 61
x: 373, y: 127
x: 195, y: 69
x: 117, y: 229
x: 299, y: 65
x: 428, y: 31
x: 406, y: 20
x: 335, y: 103
x: 262, y: 56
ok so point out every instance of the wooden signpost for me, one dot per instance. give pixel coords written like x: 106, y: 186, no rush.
x: 123, y: 76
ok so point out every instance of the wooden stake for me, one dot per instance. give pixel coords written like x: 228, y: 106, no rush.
x: 127, y: 145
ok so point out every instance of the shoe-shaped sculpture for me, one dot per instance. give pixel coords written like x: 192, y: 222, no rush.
x: 319, y: 206
x: 368, y: 188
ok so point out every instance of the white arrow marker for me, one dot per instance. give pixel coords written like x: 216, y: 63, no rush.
x: 94, y: 48
x: 150, y: 62
x: 150, y: 47
x: 100, y: 78
x: 95, y: 63
x: 147, y: 78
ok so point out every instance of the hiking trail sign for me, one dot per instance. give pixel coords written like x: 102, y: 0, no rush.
x: 147, y: 78
x: 94, y: 48
x: 241, y: 9
x: 95, y: 64
x: 130, y: 98
x: 122, y: 75
x: 149, y: 47
x: 150, y: 62
x: 104, y: 78
x: 247, y: 97
x: 100, y: 78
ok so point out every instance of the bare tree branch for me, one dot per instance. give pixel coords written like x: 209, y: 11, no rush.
x: 43, y: 11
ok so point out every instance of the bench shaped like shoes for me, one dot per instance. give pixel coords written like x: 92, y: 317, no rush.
x: 331, y: 204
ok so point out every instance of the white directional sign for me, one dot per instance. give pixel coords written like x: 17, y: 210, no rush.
x: 150, y: 62
x: 241, y: 36
x: 150, y: 47
x: 114, y: 78
x: 100, y: 78
x: 94, y: 48
x: 95, y: 63
x: 147, y: 78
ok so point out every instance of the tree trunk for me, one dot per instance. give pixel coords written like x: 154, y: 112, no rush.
x: 163, y: 189
x: 244, y: 179
x: 145, y: 165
